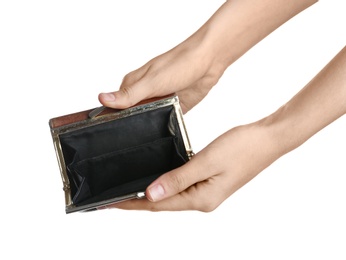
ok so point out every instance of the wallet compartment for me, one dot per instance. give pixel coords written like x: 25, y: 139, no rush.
x: 118, y: 153
x: 107, y: 155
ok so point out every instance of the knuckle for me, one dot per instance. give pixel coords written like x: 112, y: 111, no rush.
x: 177, y: 182
x: 207, y: 206
x: 198, y: 201
x: 128, y: 79
x: 127, y: 92
x: 206, y: 203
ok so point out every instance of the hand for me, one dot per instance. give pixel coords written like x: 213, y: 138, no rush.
x: 240, y: 154
x: 212, y: 175
x: 185, y: 70
x: 190, y: 70
x: 193, y: 67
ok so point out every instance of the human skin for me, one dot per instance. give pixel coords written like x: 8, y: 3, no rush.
x: 192, y: 68
x: 318, y: 104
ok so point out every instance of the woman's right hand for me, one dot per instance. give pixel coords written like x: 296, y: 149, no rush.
x: 193, y: 67
x: 187, y: 70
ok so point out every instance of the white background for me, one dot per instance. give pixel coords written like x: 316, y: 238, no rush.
x: 56, y: 56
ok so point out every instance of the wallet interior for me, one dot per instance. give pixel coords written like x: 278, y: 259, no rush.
x: 122, y: 156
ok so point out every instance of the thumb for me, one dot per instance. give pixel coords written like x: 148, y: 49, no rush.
x: 175, y: 181
x: 126, y: 96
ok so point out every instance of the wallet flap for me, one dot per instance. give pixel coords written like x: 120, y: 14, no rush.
x: 85, y: 115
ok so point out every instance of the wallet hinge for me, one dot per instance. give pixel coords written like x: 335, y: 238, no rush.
x: 66, y: 187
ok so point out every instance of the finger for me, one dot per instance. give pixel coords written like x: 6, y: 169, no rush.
x: 137, y: 86
x: 204, y: 196
x: 126, y: 96
x: 171, y: 204
x: 134, y: 76
x: 178, y: 180
x: 153, y: 80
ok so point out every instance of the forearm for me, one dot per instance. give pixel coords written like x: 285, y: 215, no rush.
x: 239, y: 24
x: 317, y: 105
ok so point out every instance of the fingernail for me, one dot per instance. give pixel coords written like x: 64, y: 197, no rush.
x: 156, y: 192
x: 109, y: 97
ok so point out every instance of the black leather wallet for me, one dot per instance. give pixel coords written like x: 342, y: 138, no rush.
x: 107, y: 155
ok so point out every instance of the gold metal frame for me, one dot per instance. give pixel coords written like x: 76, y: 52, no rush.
x: 95, y: 119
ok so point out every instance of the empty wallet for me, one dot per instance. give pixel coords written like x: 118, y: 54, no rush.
x: 109, y: 155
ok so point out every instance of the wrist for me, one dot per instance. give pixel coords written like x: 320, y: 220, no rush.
x: 239, y: 25
x: 199, y: 49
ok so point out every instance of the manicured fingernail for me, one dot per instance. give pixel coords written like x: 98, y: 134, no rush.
x: 109, y: 97
x: 156, y: 192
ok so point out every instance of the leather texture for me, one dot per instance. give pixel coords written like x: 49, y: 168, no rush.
x: 83, y: 115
